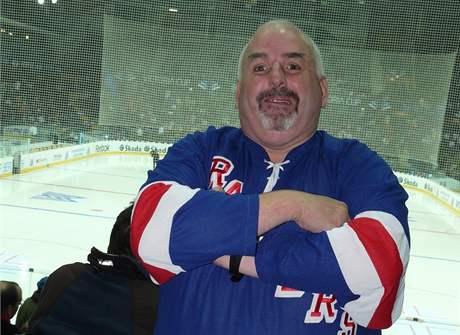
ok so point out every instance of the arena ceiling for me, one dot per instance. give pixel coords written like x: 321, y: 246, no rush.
x: 430, y: 26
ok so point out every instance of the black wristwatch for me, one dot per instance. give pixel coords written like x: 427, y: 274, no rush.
x: 234, y: 268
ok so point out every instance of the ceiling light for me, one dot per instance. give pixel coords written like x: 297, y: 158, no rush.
x: 27, y: 37
x: 173, y: 10
x: 54, y: 1
x: 41, y: 2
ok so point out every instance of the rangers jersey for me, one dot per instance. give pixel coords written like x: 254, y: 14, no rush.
x: 345, y: 281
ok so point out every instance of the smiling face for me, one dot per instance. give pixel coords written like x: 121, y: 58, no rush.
x: 279, y: 94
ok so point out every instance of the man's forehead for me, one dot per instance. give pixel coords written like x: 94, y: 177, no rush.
x: 265, y: 55
x: 286, y: 41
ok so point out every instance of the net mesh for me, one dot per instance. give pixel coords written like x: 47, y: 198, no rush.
x: 81, y: 71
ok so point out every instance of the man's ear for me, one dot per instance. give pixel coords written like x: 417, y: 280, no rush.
x: 237, y: 93
x: 324, y: 91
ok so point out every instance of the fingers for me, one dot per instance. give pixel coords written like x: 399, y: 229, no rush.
x: 320, y: 213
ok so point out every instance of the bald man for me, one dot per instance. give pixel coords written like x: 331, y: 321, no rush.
x: 275, y: 227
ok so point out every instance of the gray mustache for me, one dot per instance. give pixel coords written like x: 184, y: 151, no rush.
x: 283, y: 92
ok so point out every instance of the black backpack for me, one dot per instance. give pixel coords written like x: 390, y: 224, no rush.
x: 111, y: 295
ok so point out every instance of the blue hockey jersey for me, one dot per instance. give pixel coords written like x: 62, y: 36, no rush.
x: 345, y: 281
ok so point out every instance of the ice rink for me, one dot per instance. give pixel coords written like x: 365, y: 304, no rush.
x: 54, y: 216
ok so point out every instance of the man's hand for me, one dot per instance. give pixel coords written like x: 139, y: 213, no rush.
x: 318, y: 213
x: 312, y: 212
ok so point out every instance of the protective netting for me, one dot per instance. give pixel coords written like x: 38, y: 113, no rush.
x: 144, y: 70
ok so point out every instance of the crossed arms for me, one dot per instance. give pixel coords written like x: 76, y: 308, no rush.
x: 177, y: 226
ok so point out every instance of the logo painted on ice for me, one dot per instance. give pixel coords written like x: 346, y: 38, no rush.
x: 58, y: 197
x: 221, y: 168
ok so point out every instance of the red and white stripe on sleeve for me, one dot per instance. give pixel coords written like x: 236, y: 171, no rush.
x: 151, y: 224
x: 373, y: 252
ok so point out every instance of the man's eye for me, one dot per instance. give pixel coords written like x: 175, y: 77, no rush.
x: 293, y: 67
x: 260, y: 68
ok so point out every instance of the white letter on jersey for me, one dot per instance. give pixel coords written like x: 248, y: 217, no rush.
x: 220, y: 167
x: 322, y: 306
x: 286, y: 292
x: 347, y: 325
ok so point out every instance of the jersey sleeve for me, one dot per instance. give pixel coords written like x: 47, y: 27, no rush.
x: 178, y: 224
x: 363, y: 262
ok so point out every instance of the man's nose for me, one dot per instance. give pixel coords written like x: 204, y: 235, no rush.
x: 277, y: 75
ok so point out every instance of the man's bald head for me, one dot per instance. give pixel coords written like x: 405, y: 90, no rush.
x: 278, y: 25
